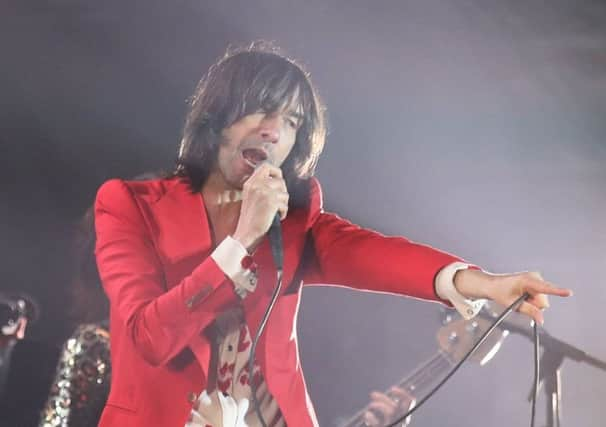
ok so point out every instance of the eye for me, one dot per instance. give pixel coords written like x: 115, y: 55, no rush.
x: 292, y: 122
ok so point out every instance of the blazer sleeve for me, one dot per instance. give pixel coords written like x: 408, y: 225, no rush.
x: 349, y: 255
x: 159, y: 322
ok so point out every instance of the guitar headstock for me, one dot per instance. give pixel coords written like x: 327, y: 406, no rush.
x: 458, y: 335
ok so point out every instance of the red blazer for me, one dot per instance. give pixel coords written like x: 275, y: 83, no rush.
x: 153, y: 247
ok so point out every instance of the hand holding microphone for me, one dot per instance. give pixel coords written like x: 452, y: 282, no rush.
x: 264, y: 197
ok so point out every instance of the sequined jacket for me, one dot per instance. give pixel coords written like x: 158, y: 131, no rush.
x: 82, y: 380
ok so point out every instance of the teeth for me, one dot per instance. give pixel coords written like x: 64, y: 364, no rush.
x: 249, y: 161
x: 253, y: 156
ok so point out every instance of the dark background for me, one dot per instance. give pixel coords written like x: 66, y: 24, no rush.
x: 475, y: 126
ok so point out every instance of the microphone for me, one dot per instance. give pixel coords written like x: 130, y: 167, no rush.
x: 275, y: 237
x: 275, y: 241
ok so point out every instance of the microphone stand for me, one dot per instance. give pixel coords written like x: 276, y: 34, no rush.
x: 555, y: 351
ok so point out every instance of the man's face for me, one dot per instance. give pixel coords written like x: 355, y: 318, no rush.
x: 254, y: 139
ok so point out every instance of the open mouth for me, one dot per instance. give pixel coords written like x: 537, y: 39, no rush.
x: 254, y: 156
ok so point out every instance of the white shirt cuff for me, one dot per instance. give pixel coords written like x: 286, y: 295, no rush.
x: 228, y: 256
x: 446, y: 290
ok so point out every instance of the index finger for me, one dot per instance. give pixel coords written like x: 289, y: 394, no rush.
x: 543, y: 287
x: 267, y: 169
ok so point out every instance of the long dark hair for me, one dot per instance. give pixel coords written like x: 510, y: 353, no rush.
x: 90, y: 304
x: 244, y: 81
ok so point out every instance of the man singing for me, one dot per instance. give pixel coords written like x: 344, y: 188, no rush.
x: 189, y: 273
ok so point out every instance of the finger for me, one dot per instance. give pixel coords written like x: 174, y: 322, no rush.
x: 401, y: 397
x: 261, y: 173
x: 268, y: 170
x: 532, y: 312
x: 283, y: 211
x: 534, y: 286
x: 276, y: 184
x: 382, y: 398
x: 260, y: 180
x: 281, y: 203
x: 370, y: 419
x: 386, y: 409
x: 540, y: 301
x: 401, y: 393
x: 252, y: 180
x: 275, y: 172
x: 265, y: 185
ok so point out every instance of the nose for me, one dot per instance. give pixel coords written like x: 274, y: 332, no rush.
x: 269, y: 128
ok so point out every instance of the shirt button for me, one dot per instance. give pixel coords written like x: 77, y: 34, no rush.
x: 192, y: 397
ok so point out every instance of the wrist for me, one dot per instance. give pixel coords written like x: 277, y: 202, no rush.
x: 473, y: 283
x: 244, y: 239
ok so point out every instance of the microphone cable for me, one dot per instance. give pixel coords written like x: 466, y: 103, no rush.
x: 481, y: 340
x: 275, y: 240
x: 275, y: 237
x: 535, y: 383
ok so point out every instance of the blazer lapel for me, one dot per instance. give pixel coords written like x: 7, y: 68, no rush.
x: 182, y: 225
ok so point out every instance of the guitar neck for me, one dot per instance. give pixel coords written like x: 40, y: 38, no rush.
x: 417, y: 383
